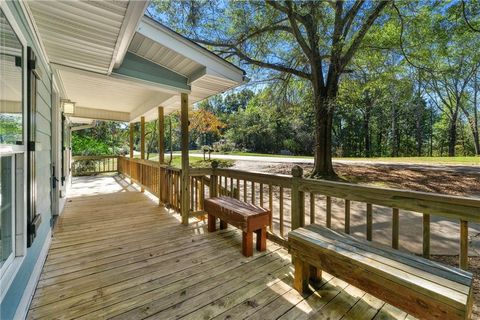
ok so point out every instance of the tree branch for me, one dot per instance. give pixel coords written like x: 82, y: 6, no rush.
x: 464, y: 11
x: 363, y: 31
x: 352, y: 13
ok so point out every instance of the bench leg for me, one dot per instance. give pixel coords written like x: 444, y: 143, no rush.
x: 300, y: 281
x: 261, y: 239
x: 247, y: 244
x: 315, y: 275
x: 212, y: 223
x: 223, y: 224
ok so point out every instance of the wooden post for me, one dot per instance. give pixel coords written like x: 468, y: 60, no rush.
x: 426, y: 236
x: 463, y: 244
x: 395, y: 227
x: 161, y: 153
x: 369, y: 222
x: 161, y: 135
x: 185, y: 181
x: 298, y: 199
x: 142, y: 138
x: 142, y: 149
x: 347, y: 216
x: 131, y: 151
x: 213, y: 180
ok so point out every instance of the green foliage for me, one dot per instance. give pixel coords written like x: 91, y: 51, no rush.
x: 89, y: 146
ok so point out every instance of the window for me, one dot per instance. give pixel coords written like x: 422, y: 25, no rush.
x: 12, y: 149
x: 7, y: 211
x: 11, y: 106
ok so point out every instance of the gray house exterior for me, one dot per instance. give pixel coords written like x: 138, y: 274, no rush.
x: 65, y: 64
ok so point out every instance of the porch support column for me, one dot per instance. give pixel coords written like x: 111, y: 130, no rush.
x: 142, y: 149
x: 161, y: 135
x: 132, y: 126
x: 142, y: 138
x: 185, y: 178
x: 161, y: 153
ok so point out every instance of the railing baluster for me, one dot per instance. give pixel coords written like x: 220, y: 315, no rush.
x: 261, y: 194
x: 245, y: 190
x: 369, y: 222
x: 312, y: 208
x: 281, y: 212
x: 426, y: 235
x: 202, y: 193
x: 237, y: 195
x: 395, y: 227
x: 225, y: 190
x: 463, y: 244
x: 347, y: 216
x: 270, y: 205
x: 192, y: 194
x: 329, y: 211
x: 253, y: 192
x: 231, y: 188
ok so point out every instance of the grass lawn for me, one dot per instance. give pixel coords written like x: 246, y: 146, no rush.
x: 195, y: 162
x: 471, y: 160
x: 427, y: 160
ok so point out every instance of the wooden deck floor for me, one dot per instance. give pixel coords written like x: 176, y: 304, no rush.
x: 120, y: 255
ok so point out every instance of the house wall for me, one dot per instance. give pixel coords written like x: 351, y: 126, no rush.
x: 13, y: 298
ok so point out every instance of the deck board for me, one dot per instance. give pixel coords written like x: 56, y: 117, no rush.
x: 119, y: 255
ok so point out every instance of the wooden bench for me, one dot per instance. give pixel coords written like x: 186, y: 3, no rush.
x: 247, y: 217
x: 420, y: 287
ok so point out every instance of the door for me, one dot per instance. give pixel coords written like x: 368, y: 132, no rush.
x: 58, y: 186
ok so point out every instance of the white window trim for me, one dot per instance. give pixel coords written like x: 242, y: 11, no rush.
x: 8, y: 275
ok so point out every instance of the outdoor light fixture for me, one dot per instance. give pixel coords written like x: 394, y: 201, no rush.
x: 68, y: 107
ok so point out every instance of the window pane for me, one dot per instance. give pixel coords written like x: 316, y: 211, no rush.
x: 6, y: 209
x: 11, y: 116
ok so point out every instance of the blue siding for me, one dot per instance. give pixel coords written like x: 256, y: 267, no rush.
x: 14, y: 294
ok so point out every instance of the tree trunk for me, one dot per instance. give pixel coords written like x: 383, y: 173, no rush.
x: 452, y: 135
x: 476, y: 135
x: 323, y: 167
x: 366, y: 129
x: 395, y: 133
x: 419, y: 129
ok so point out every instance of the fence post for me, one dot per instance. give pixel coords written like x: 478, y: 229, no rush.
x: 213, y: 180
x: 298, y: 199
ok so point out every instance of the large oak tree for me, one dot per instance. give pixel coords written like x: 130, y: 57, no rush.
x: 313, y: 40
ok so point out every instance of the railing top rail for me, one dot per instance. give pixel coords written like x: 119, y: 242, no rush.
x: 463, y: 208
x: 151, y: 163
x: 261, y: 177
x: 450, y: 206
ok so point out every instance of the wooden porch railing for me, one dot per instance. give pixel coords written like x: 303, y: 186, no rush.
x: 293, y: 198
x: 90, y: 165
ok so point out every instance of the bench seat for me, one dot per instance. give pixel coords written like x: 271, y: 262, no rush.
x: 246, y: 216
x: 420, y: 287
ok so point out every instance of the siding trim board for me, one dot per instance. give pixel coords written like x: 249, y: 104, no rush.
x: 23, y: 306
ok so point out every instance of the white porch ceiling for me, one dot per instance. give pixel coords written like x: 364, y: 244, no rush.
x: 80, y: 34
x: 86, y: 43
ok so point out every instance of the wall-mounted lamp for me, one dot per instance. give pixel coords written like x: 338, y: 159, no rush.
x: 68, y: 107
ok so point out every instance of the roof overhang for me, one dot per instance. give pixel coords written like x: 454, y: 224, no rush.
x: 117, y: 64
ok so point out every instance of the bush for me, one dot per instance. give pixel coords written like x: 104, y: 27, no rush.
x: 223, y: 146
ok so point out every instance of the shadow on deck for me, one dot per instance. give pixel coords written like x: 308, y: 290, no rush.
x: 116, y: 254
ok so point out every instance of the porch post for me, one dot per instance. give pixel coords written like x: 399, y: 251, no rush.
x: 142, y: 138
x: 161, y: 135
x: 142, y: 149
x: 185, y: 184
x: 131, y: 150
x: 161, y: 152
